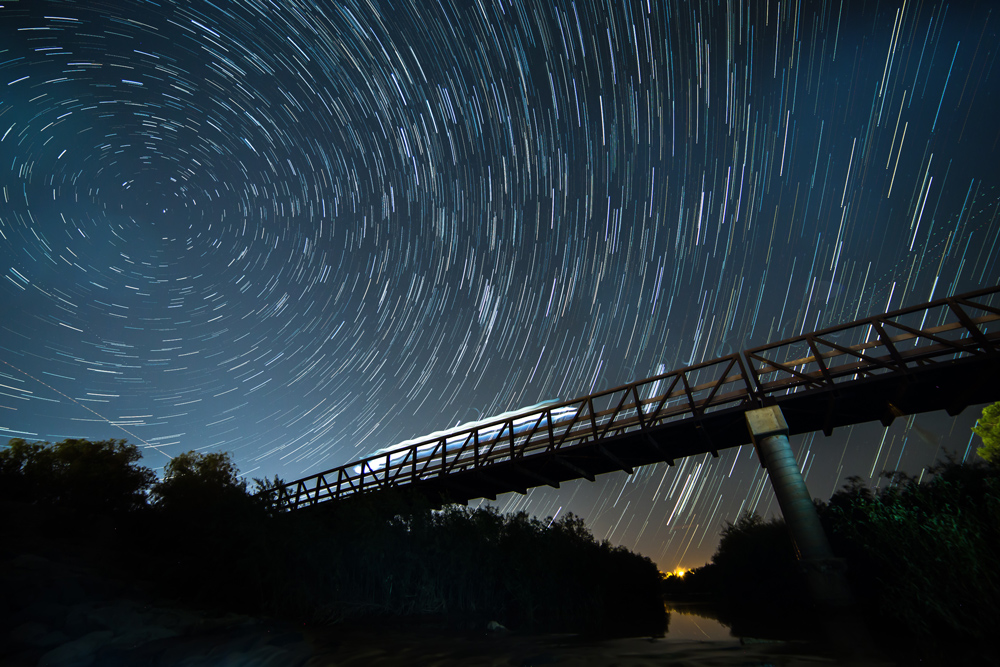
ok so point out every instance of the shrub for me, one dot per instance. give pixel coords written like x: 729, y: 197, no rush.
x: 195, y: 483
x: 754, y: 564
x: 96, y: 477
x: 926, y: 555
x: 388, y: 554
x: 382, y: 555
x: 988, y: 428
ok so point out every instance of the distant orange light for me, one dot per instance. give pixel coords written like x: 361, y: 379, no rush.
x: 680, y: 572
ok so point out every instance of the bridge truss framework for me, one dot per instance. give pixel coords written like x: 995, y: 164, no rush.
x: 944, y: 354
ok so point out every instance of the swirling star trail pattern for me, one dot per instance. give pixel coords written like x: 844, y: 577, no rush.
x: 301, y: 231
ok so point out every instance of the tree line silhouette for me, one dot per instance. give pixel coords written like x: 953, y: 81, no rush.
x: 203, y: 534
x: 922, y: 558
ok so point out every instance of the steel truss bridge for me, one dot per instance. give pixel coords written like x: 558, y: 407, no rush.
x: 944, y: 354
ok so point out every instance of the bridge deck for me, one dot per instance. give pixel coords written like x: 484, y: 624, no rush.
x: 873, y: 369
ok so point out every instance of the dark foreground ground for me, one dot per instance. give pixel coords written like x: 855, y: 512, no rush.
x: 64, y: 612
x: 76, y: 604
x: 69, y: 598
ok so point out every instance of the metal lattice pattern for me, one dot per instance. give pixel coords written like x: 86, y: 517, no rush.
x: 961, y: 326
x: 657, y: 401
x: 894, y: 343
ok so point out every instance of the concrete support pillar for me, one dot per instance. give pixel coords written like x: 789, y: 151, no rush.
x: 824, y: 573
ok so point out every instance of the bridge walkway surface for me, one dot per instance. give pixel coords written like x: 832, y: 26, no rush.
x: 941, y: 355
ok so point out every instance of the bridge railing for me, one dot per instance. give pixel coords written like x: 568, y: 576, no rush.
x: 680, y: 394
x: 931, y: 333
x: 935, y: 332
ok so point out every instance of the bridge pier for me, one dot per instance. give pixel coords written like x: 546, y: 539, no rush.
x: 824, y: 574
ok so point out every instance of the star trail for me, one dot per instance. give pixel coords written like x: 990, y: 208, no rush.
x: 304, y: 231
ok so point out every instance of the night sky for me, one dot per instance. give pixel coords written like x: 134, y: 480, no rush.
x: 300, y: 232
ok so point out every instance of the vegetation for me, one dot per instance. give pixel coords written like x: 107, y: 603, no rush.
x: 988, y: 428
x: 763, y: 548
x: 91, y: 477
x: 923, y: 558
x: 203, y: 533
x: 471, y: 566
x: 194, y: 484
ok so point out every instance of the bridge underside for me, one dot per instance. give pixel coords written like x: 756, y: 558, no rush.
x: 955, y: 385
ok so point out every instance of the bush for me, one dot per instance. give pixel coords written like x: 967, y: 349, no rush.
x: 754, y: 566
x: 195, y: 483
x: 388, y: 554
x: 925, y: 555
x: 988, y: 428
x: 94, y: 477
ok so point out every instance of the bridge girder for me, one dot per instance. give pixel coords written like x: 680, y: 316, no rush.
x: 821, y: 381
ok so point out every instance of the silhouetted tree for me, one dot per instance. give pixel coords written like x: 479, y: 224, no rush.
x: 755, y: 563
x: 926, y: 554
x: 194, y: 482
x: 102, y: 476
x: 389, y: 554
x: 267, y: 493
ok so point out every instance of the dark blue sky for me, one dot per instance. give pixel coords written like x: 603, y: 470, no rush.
x: 301, y: 232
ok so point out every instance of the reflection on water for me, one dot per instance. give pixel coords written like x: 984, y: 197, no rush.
x: 693, y: 623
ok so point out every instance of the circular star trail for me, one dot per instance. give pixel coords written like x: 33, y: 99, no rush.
x: 302, y: 231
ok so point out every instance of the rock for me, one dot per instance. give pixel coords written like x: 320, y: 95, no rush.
x: 44, y: 611
x: 140, y: 636
x: 37, y: 635
x: 120, y: 617
x: 77, y: 653
x: 29, y: 561
x: 27, y: 658
x: 78, y: 621
x: 18, y: 592
x: 70, y: 592
x: 176, y: 619
x: 262, y: 656
x: 27, y: 633
x: 493, y: 626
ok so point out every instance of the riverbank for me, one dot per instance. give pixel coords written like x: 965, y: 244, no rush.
x: 128, y: 632
x: 74, y: 604
x: 373, y: 647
